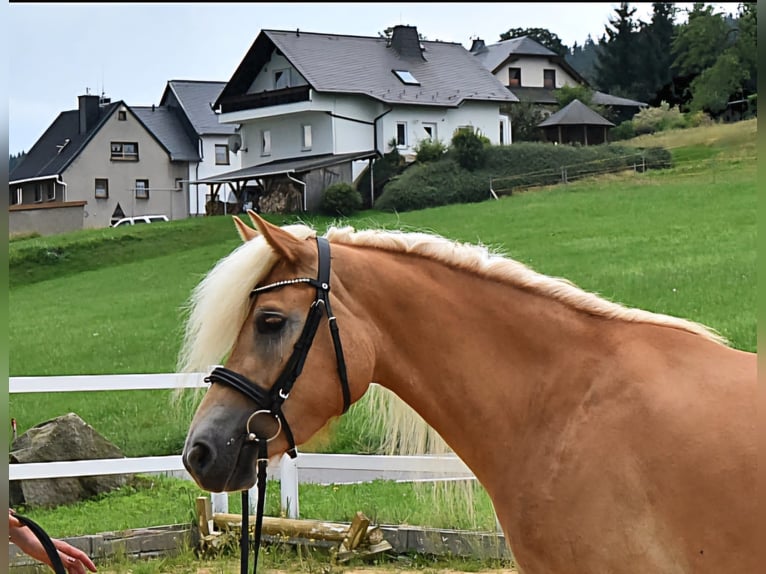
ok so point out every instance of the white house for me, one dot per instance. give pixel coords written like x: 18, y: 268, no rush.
x: 193, y: 100
x: 310, y: 106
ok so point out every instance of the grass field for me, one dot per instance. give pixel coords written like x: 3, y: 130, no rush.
x: 678, y: 241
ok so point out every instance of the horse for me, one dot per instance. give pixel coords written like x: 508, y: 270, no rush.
x: 610, y: 439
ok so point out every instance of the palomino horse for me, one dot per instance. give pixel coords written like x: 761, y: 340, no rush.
x: 609, y: 439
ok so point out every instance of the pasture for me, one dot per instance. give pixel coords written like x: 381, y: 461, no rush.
x: 680, y: 241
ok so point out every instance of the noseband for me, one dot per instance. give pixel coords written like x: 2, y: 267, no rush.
x: 269, y: 402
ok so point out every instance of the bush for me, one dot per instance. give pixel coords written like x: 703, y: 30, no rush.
x: 340, y: 199
x: 650, y: 120
x: 429, y: 150
x: 696, y: 119
x: 468, y: 146
x: 383, y: 169
x: 623, y: 131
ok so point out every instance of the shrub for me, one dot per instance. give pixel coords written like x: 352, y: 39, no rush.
x: 429, y: 150
x: 657, y: 157
x: 468, y: 146
x: 383, y: 169
x: 524, y: 117
x: 567, y: 94
x: 340, y: 199
x: 623, y: 131
x: 650, y: 120
x: 696, y: 119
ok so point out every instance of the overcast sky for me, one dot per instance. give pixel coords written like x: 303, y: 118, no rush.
x: 130, y: 51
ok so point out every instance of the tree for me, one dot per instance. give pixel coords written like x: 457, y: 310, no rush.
x: 656, y: 41
x: 718, y: 56
x: 524, y: 118
x: 15, y: 159
x: 541, y: 35
x: 618, y: 59
x: 583, y: 59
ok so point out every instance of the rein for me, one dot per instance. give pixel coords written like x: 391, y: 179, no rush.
x: 269, y: 403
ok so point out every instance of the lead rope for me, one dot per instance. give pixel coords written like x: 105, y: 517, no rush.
x: 244, y: 541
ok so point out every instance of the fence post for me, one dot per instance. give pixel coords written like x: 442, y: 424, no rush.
x: 288, y: 477
x: 220, y: 502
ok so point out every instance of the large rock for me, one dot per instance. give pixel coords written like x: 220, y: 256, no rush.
x: 66, y: 437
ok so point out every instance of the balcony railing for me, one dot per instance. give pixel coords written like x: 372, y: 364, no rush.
x: 264, y: 99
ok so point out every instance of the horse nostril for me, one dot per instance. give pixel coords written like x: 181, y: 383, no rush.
x: 198, y: 457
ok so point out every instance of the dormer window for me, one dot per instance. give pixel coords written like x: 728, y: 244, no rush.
x: 406, y: 77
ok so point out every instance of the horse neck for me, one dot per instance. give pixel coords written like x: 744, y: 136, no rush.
x: 478, y: 359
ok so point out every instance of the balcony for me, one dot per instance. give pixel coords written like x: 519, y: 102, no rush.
x: 265, y: 99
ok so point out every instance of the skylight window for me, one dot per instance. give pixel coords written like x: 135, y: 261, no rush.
x: 406, y: 77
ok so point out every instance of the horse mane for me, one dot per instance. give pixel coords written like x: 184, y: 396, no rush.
x: 219, y: 303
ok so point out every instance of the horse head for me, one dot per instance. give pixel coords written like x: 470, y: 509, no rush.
x: 287, y: 374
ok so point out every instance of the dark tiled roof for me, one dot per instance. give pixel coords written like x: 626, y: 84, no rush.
x: 575, y: 113
x: 602, y: 99
x: 495, y: 54
x: 166, y: 127
x: 45, y: 159
x: 447, y: 73
x: 195, y: 98
x: 293, y: 165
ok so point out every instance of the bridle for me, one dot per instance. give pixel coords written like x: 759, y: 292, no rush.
x: 269, y: 402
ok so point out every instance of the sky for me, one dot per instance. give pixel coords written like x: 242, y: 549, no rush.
x: 130, y: 51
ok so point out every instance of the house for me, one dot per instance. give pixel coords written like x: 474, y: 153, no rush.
x: 101, y: 162
x: 315, y: 108
x: 193, y: 102
x: 576, y: 123
x: 533, y: 73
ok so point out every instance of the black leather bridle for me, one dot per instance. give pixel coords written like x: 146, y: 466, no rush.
x: 269, y: 402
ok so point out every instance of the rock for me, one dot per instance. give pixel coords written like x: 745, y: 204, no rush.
x: 66, y: 437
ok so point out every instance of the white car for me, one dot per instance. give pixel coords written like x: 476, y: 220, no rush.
x: 140, y: 219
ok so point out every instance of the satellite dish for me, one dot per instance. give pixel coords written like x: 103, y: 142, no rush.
x: 235, y: 143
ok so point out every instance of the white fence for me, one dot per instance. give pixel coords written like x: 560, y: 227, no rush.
x: 307, y: 467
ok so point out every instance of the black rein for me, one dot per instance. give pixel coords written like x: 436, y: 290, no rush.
x: 269, y: 402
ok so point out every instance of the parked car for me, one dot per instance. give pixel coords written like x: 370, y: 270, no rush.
x: 140, y: 219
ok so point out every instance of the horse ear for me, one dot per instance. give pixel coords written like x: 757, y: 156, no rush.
x: 286, y: 245
x: 245, y: 231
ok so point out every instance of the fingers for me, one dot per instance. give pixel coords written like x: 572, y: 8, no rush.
x: 13, y: 522
x: 73, y: 558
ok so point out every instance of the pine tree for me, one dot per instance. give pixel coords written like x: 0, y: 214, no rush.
x: 617, y: 65
x: 656, y: 41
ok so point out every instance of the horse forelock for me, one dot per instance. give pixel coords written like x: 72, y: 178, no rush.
x: 218, y: 305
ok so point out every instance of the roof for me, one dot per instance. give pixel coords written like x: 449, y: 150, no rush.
x: 575, y: 113
x: 292, y: 165
x: 495, y: 54
x: 602, y: 99
x: 447, y: 73
x: 45, y: 158
x: 196, y: 98
x: 166, y: 126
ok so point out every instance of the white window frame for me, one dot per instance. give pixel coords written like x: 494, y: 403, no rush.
x: 284, y: 78
x: 434, y: 136
x: 106, y: 189
x: 38, y: 193
x: 306, y: 137
x: 226, y: 154
x: 19, y: 196
x: 265, y: 142
x: 50, y: 191
x: 144, y: 188
x: 404, y: 144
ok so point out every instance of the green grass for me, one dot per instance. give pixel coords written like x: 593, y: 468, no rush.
x: 678, y: 241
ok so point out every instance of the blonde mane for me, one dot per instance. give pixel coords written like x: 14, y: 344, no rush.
x: 219, y: 303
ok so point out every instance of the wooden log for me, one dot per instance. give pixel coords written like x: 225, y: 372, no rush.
x: 356, y: 532
x: 292, y: 527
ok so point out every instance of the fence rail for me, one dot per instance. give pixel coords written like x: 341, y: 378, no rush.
x: 306, y: 468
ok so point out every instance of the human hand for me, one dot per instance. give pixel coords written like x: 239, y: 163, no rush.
x: 74, y: 560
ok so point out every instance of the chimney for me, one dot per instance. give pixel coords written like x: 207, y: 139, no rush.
x: 477, y: 46
x: 406, y: 43
x: 89, y: 111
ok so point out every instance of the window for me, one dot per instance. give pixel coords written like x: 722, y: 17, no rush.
x: 44, y: 189
x: 502, y: 132
x: 265, y: 142
x: 430, y: 130
x: 38, y: 193
x: 401, y: 134
x: 17, y: 197
x: 406, y: 77
x: 125, y: 151
x: 549, y: 79
x: 122, y: 115
x: 50, y: 191
x: 306, y: 137
x: 281, y: 79
x: 102, y: 188
x: 514, y: 77
x: 142, y: 189
x: 221, y: 154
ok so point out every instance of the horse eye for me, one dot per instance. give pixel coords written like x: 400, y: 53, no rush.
x: 270, y: 322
